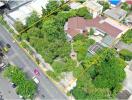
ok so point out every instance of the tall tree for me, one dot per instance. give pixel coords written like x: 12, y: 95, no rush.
x: 32, y: 20
x: 19, y: 26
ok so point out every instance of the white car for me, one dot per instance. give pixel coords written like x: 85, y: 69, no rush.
x: 20, y: 96
x: 35, y: 80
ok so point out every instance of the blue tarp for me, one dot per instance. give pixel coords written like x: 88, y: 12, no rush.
x: 115, y: 2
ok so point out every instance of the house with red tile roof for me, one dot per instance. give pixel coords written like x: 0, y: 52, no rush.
x: 79, y: 25
x: 104, y: 26
x: 75, y: 25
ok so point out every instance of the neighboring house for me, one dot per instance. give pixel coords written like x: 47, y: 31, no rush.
x: 92, y: 5
x: 79, y: 25
x: 21, y: 13
x: 94, y: 8
x: 74, y: 26
x: 106, y: 28
x: 116, y: 13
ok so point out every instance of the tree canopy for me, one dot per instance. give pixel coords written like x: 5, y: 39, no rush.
x: 25, y: 87
x: 19, y: 26
x: 125, y: 54
x: 103, y: 78
x: 127, y: 37
x: 32, y: 19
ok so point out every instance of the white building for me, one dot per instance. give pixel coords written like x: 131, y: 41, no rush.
x: 25, y: 11
x: 94, y: 7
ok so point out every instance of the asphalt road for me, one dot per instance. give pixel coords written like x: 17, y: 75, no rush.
x: 6, y: 90
x: 18, y: 57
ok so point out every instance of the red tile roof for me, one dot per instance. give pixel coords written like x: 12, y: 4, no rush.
x: 76, y: 24
x: 129, y: 1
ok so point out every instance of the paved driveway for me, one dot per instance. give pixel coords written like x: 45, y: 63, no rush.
x: 6, y: 90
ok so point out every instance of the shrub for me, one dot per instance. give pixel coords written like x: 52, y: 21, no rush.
x: 125, y: 54
x: 127, y: 37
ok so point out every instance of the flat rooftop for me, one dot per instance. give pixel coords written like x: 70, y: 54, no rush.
x: 25, y: 11
x: 115, y: 13
x: 93, y: 5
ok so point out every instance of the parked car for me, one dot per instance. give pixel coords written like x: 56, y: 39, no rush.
x: 35, y: 80
x: 36, y: 72
x: 20, y: 96
x: 13, y: 85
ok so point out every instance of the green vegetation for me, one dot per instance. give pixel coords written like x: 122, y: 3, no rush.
x: 103, y: 78
x: 127, y: 37
x: 59, y: 66
x: 19, y: 26
x: 4, y: 23
x: 48, y: 37
x: 105, y: 5
x: 81, y: 1
x: 126, y: 7
x: 81, y: 46
x: 25, y: 87
x: 83, y: 12
x: 32, y: 19
x: 125, y: 54
x: 105, y: 74
x: 91, y: 31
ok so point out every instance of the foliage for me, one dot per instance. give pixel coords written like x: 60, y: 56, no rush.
x: 32, y: 20
x: 91, y: 31
x: 125, y: 54
x: 25, y: 87
x: 81, y: 1
x: 127, y: 37
x: 50, y: 40
x: 126, y: 7
x: 105, y: 5
x: 103, y: 78
x: 81, y: 47
x: 19, y: 26
x: 4, y: 23
x: 83, y: 12
x: 52, y: 6
x: 60, y: 66
x: 86, y: 90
